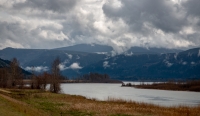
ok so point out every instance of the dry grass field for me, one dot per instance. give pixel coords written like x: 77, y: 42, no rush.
x: 40, y: 103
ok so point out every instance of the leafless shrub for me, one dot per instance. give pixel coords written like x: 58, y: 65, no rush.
x: 16, y: 76
x: 55, y: 76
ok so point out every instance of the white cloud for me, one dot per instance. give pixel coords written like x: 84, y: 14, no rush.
x: 75, y: 66
x: 62, y: 67
x: 9, y: 43
x: 37, y: 68
x: 52, y: 35
x: 10, y: 3
x: 36, y: 23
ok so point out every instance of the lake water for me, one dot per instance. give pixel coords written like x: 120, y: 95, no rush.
x: 158, y: 97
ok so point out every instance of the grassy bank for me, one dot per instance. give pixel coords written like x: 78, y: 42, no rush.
x: 34, y: 102
x: 176, y: 86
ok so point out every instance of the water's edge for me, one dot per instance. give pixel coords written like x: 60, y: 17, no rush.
x: 102, y: 91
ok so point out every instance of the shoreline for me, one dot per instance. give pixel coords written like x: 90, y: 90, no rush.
x: 193, y: 86
x: 28, y: 81
x: 45, y: 103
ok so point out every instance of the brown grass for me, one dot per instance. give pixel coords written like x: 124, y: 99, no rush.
x: 71, y: 105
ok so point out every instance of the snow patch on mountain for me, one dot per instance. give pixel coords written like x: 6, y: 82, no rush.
x: 199, y: 53
x: 77, y: 57
x: 66, y: 61
x: 168, y: 64
x: 176, y: 55
x: 128, y: 54
x: 106, y: 64
x: 69, y: 55
x: 106, y: 58
x: 105, y: 53
x: 167, y: 56
x: 184, y: 63
x: 189, y: 54
x: 114, y: 63
x: 193, y: 63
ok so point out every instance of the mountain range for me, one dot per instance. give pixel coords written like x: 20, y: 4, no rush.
x: 137, y: 63
x: 6, y: 64
x: 169, y: 66
x: 90, y: 48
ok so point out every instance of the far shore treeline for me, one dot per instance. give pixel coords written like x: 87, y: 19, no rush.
x: 192, y: 85
x: 12, y: 76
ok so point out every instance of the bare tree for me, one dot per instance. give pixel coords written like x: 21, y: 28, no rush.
x: 16, y: 73
x: 3, y: 77
x: 55, y: 77
x: 44, y: 78
x: 32, y: 82
x: 36, y: 80
x: 39, y: 81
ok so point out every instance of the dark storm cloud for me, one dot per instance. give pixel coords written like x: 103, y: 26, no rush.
x: 192, y: 7
x: 118, y: 23
x: 52, y: 5
x: 193, y: 11
x: 33, y: 23
x: 9, y: 31
x: 159, y: 13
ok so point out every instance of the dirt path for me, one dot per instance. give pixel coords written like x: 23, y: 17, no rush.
x: 20, y: 106
x: 13, y: 100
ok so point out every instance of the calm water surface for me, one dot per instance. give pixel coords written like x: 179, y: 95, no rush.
x: 159, y: 97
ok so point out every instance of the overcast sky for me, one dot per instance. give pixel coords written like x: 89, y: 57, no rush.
x: 119, y: 23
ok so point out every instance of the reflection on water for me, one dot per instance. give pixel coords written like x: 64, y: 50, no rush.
x: 159, y: 97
